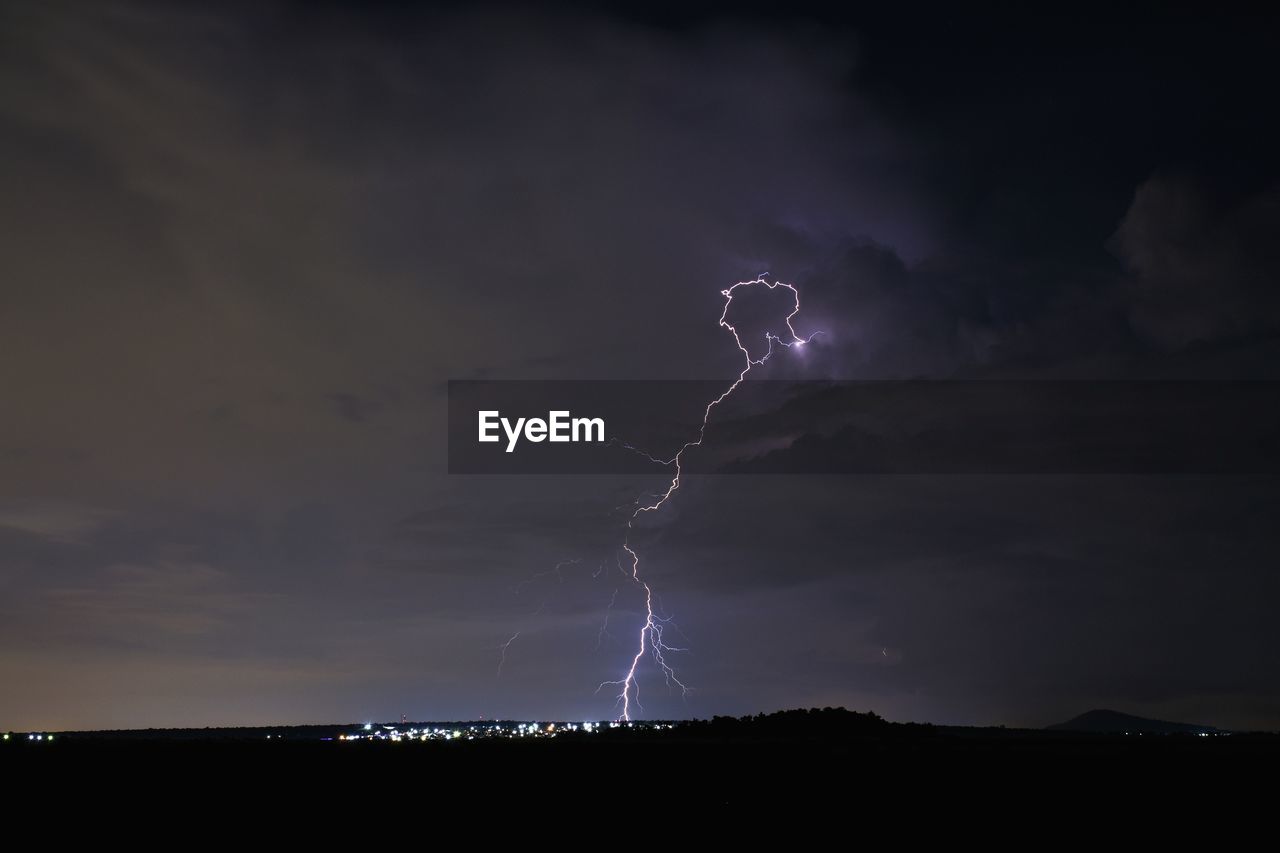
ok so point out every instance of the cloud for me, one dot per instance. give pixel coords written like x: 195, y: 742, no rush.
x: 213, y: 219
x: 53, y: 521
x: 1202, y: 267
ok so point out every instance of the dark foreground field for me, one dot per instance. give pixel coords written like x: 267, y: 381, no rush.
x: 853, y: 760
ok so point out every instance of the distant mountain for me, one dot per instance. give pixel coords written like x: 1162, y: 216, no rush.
x: 1103, y: 721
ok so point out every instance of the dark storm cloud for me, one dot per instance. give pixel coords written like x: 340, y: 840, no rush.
x: 211, y: 218
x: 1201, y: 269
x: 245, y: 246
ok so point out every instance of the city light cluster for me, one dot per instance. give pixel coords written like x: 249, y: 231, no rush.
x: 478, y: 731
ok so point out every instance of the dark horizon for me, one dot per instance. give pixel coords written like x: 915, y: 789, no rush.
x: 1097, y: 721
x: 248, y: 246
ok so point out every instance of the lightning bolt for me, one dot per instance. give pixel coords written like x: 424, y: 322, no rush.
x: 604, y: 626
x: 518, y: 589
x: 650, y: 636
x: 537, y: 576
x: 503, y: 648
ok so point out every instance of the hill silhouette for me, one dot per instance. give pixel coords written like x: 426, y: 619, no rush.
x: 830, y: 757
x: 1105, y: 721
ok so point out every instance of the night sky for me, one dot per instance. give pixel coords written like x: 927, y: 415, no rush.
x: 243, y: 248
